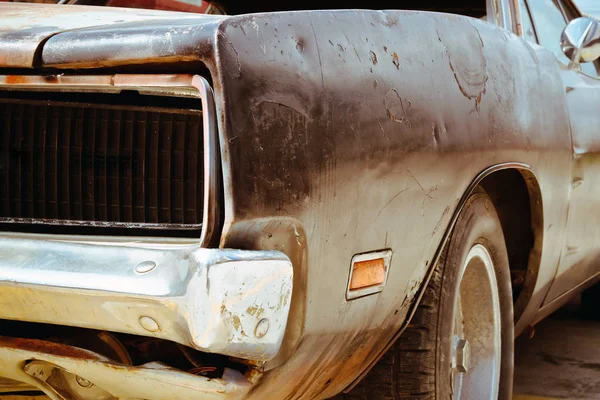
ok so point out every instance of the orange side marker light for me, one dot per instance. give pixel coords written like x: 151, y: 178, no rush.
x: 367, y: 273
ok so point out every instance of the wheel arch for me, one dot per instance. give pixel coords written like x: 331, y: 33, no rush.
x: 516, y: 196
x: 516, y: 178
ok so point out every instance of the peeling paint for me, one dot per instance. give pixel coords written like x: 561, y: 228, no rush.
x: 373, y: 57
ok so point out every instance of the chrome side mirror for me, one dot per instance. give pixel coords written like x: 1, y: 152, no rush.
x: 580, y: 40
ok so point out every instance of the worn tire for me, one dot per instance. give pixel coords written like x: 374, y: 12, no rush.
x: 417, y: 367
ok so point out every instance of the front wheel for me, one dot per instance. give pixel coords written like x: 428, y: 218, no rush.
x: 459, y: 344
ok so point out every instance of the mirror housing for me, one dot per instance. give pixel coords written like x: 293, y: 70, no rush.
x: 580, y: 40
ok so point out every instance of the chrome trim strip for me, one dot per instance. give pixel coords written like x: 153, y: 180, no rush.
x: 212, y: 162
x: 229, y: 302
x: 100, y: 224
x: 176, y: 85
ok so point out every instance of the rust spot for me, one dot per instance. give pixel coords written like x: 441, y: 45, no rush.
x: 394, y: 107
x: 373, y: 57
x: 55, y: 349
x: 16, y: 79
x: 385, y: 49
x: 395, y: 60
x: 255, y: 311
x: 50, y: 79
x: 237, y: 324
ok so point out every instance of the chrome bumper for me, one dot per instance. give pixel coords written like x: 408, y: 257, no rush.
x: 229, y: 302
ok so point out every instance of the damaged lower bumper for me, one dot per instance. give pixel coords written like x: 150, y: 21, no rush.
x: 230, y: 302
x: 68, y: 373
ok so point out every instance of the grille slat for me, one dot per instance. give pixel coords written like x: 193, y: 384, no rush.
x: 192, y: 178
x: 165, y: 157
x: 76, y: 166
x: 38, y: 131
x: 89, y: 150
x: 100, y: 165
x: 5, y: 161
x: 140, y: 180
x: 64, y: 155
x: 112, y: 167
x: 51, y: 151
x: 125, y: 168
x: 101, y: 178
x: 152, y: 184
x: 27, y: 162
x: 178, y: 172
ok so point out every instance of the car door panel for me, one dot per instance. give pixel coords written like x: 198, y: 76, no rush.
x: 580, y: 259
x: 580, y: 256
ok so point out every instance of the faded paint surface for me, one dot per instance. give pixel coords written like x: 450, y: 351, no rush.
x: 368, y: 152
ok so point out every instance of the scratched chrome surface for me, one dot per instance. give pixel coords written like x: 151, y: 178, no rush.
x: 349, y: 131
x: 208, y: 299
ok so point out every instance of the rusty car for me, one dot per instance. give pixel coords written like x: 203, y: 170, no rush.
x: 291, y: 202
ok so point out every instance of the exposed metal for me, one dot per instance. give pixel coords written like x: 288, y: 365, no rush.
x: 211, y: 300
x: 64, y: 384
x: 23, y: 359
x: 25, y: 27
x: 337, y: 141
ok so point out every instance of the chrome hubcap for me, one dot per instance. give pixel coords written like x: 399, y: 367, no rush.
x: 475, y: 358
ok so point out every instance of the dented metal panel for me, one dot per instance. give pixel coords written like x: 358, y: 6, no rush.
x: 166, y: 41
x: 221, y: 301
x: 160, y: 381
x: 366, y: 128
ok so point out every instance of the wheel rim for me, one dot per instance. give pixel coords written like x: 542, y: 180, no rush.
x: 476, y: 345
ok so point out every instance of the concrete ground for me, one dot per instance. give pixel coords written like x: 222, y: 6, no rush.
x: 561, y: 361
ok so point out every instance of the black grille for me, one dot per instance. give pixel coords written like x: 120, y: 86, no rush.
x: 100, y: 165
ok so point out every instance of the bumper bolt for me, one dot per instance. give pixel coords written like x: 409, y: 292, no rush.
x: 145, y: 266
x: 149, y: 324
x: 261, y: 328
x: 83, y: 382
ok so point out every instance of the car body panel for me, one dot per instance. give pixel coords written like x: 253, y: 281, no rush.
x: 581, y: 255
x: 340, y: 120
